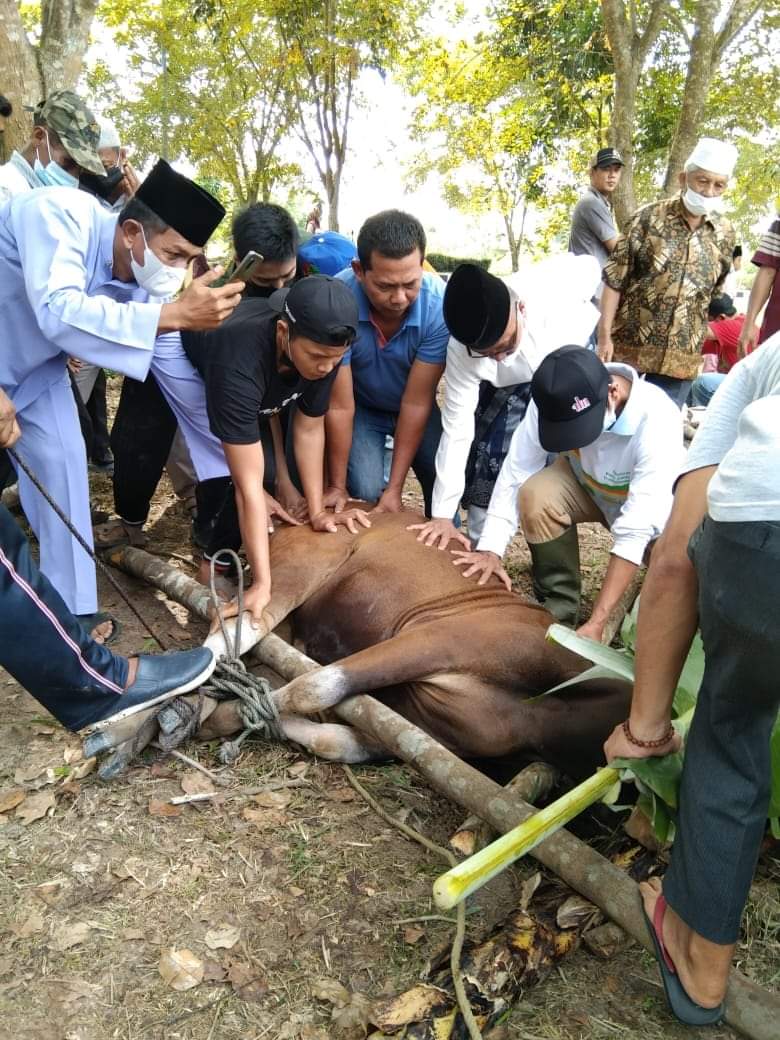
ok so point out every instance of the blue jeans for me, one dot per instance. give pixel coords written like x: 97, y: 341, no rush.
x: 365, y: 470
x: 44, y: 647
x: 704, y: 386
x: 677, y: 389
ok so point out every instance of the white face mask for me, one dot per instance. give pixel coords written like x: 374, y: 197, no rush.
x: 701, y: 205
x: 153, y: 275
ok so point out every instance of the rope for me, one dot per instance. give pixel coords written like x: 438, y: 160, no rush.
x: 87, y: 548
x: 231, y: 680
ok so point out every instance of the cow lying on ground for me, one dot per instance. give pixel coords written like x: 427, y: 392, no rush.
x: 391, y: 617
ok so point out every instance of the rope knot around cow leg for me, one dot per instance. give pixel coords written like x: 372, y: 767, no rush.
x: 257, y: 709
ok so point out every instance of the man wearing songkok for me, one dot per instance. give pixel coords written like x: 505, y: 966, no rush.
x: 77, y: 280
x: 670, y: 262
x: 500, y: 333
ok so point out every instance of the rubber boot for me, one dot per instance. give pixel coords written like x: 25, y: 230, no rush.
x: 556, y: 574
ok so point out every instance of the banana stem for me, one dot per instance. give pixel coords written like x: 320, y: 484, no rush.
x: 451, y: 888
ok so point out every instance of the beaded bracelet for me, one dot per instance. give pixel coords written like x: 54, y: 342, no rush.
x: 647, y: 743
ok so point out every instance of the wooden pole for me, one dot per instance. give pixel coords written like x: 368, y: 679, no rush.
x: 750, y: 1009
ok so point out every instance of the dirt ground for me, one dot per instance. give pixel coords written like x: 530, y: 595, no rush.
x: 286, y: 878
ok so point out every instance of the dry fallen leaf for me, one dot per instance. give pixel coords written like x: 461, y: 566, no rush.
x: 132, y: 934
x: 41, y: 730
x: 298, y: 768
x: 223, y: 937
x: 295, y: 891
x: 10, y: 798
x: 247, y: 982
x: 30, y: 772
x: 133, y: 867
x: 72, y: 755
x: 413, y: 934
x: 84, y: 769
x: 332, y: 991
x: 272, y: 799
x: 351, y: 1022
x: 340, y: 794
x: 264, y: 818
x: 213, y: 971
x: 36, y: 806
x: 49, y: 892
x: 67, y: 935
x: 158, y: 808
x: 194, y: 782
x: 181, y: 969
x: 30, y: 926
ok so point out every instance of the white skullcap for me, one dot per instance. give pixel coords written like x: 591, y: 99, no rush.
x: 714, y: 156
x: 109, y: 135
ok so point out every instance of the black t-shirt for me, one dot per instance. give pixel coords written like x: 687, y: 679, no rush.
x: 244, y: 387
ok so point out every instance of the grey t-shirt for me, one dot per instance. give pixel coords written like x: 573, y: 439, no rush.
x: 592, y: 224
x: 740, y: 434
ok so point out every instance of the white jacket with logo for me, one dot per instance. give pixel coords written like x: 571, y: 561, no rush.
x: 628, y: 471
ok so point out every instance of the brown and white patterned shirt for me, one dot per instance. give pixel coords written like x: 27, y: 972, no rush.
x: 666, y: 275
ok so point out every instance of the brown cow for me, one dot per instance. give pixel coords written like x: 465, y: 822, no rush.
x: 389, y: 616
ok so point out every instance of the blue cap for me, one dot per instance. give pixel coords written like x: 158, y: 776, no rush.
x: 326, y: 252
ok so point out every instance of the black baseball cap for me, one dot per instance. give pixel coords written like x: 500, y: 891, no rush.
x: 320, y: 308
x: 570, y: 390
x: 476, y: 306
x: 721, y: 307
x: 607, y: 157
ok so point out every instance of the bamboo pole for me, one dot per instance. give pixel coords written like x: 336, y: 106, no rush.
x: 750, y: 1009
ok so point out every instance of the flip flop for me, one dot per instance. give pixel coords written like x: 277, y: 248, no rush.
x: 90, y: 621
x: 683, y: 1008
x: 115, y: 533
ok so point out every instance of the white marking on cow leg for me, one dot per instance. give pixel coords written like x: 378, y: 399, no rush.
x: 328, y: 740
x: 313, y: 692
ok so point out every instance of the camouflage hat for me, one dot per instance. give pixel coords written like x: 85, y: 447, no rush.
x: 66, y: 114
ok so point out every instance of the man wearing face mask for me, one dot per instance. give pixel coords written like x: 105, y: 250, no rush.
x: 500, y: 332
x: 77, y: 280
x: 670, y: 263
x: 63, y: 144
x: 620, y: 449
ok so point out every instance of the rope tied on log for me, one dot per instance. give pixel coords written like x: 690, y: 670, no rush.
x: 231, y: 680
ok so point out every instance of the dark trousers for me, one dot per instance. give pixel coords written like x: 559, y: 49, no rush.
x: 726, y: 780
x: 216, y: 503
x: 141, y: 438
x: 93, y: 419
x: 44, y: 647
x: 7, y: 472
x: 677, y: 389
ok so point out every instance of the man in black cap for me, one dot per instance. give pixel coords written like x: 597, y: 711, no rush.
x: 77, y: 280
x: 500, y: 332
x: 620, y: 448
x: 270, y: 354
x: 593, y: 230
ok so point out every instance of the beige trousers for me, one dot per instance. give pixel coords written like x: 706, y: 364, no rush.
x: 552, y: 501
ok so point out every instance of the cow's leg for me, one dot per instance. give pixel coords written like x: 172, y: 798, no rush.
x: 334, y: 742
x: 407, y: 657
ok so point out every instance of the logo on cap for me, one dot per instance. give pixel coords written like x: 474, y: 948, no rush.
x: 580, y: 404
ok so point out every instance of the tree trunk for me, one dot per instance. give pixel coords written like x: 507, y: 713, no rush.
x: 701, y: 67
x: 27, y: 73
x: 332, y: 192
x: 511, y: 240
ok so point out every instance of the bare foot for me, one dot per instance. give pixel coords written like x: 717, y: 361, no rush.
x: 103, y: 632
x: 702, y: 966
x: 225, y: 588
x: 132, y: 670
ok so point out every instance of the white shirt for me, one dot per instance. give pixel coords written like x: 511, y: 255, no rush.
x: 740, y: 433
x: 13, y: 181
x: 58, y: 296
x: 558, y: 312
x: 628, y: 471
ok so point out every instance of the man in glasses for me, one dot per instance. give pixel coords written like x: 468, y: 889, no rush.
x: 500, y: 333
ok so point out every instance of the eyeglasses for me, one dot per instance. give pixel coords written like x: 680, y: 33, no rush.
x: 500, y: 347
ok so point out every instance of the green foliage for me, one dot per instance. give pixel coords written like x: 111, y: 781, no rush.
x: 658, y: 779
x: 442, y: 262
x: 211, y: 84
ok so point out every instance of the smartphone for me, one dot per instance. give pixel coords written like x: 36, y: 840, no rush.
x: 242, y: 272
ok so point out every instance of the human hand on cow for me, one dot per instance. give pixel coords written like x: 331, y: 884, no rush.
x: 349, y: 518
x: 592, y: 630
x: 618, y: 745
x: 335, y: 498
x: 389, y: 501
x: 443, y: 531
x: 276, y: 509
x: 256, y: 599
x: 289, y: 498
x: 9, y: 427
x: 483, y: 563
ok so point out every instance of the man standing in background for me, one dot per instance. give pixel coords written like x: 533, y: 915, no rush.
x: 593, y: 229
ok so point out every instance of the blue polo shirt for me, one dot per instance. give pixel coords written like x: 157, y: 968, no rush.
x: 379, y: 373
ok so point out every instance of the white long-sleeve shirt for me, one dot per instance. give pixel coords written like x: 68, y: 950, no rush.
x: 740, y: 433
x: 628, y: 471
x: 558, y: 312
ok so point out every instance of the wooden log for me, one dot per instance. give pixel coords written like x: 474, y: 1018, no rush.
x: 749, y: 1008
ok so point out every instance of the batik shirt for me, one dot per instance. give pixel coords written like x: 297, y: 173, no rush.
x: 666, y: 275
